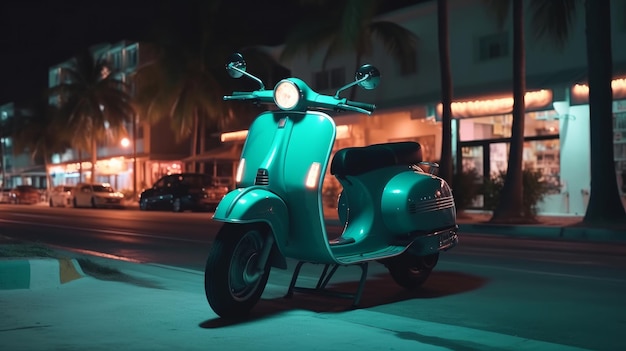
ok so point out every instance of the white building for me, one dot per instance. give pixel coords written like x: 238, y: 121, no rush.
x: 151, y: 150
x: 557, y: 120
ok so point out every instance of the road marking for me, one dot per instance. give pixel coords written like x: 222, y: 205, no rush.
x: 106, y: 231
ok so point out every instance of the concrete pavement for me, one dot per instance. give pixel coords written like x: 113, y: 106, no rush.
x: 154, y: 307
x: 560, y: 227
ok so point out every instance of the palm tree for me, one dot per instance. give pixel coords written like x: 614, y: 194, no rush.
x: 184, y: 81
x: 550, y: 18
x: 350, y: 26
x: 41, y: 133
x: 446, y: 169
x: 605, y: 205
x: 95, y: 102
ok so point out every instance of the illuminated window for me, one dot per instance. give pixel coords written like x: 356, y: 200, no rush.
x: 544, y: 156
x: 541, y: 123
x: 131, y: 57
x: 619, y: 146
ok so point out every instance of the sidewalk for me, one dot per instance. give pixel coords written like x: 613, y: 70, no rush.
x: 548, y: 227
x: 155, y: 307
x: 164, y: 308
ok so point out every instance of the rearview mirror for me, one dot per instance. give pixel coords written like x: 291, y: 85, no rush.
x: 236, y: 65
x: 371, y: 75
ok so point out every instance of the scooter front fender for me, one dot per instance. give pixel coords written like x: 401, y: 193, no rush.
x: 254, y: 204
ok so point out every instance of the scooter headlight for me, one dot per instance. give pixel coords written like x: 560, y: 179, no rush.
x: 287, y: 95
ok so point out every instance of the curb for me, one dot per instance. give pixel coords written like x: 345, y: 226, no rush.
x: 37, y: 273
x: 547, y: 232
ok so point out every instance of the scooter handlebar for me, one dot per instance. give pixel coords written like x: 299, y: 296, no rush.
x: 356, y: 106
x: 261, y: 95
x: 235, y: 96
x: 363, y: 105
x: 323, y: 101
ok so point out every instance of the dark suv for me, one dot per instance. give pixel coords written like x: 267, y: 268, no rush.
x: 24, y: 194
x: 181, y: 192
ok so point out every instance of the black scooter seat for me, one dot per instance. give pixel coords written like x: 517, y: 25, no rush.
x: 358, y: 160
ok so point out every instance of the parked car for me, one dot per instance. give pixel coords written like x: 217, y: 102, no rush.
x: 96, y: 195
x: 4, y: 195
x: 183, y: 191
x: 24, y: 194
x: 61, y: 196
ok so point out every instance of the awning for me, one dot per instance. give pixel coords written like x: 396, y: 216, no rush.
x: 551, y: 80
x: 229, y: 152
x: 30, y: 171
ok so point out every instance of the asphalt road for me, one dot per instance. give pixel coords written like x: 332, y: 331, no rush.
x: 568, y: 293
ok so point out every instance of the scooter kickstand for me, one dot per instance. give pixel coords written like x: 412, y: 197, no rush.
x: 323, y: 280
x: 294, y: 277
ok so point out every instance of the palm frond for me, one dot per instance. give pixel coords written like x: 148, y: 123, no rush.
x: 400, y: 42
x: 553, y: 19
x: 308, y: 37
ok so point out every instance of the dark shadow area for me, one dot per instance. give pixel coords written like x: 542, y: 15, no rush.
x: 102, y: 272
x: 379, y: 290
x: 446, y: 343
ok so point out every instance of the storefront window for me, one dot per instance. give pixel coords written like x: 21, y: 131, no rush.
x: 495, y: 127
x: 544, y: 156
x: 473, y: 159
x: 619, y: 148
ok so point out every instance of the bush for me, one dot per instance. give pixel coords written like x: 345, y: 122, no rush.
x: 465, y: 188
x: 534, y: 190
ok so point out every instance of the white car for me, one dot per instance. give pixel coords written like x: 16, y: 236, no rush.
x: 96, y: 195
x: 61, y: 196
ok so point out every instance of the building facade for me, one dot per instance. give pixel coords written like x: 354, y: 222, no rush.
x: 557, y: 111
x: 17, y: 168
x: 557, y: 119
x: 132, y: 163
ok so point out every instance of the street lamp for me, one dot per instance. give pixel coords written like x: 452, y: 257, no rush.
x: 125, y: 142
x: 4, y: 185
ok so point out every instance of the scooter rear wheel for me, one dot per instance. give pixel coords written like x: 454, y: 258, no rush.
x: 232, y: 287
x: 410, y: 271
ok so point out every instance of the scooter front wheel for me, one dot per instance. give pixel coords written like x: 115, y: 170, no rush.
x: 232, y: 282
x: 410, y: 271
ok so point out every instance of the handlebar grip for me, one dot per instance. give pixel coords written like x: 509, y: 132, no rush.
x: 240, y: 95
x: 368, y: 107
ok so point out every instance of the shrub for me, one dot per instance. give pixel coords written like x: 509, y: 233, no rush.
x: 465, y: 188
x: 534, y: 190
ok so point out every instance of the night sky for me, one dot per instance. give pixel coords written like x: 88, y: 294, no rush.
x: 36, y: 34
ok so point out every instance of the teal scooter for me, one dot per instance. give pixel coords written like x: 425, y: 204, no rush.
x: 392, y: 211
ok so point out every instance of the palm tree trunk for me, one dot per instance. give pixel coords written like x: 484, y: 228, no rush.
x: 511, y: 205
x: 48, y: 176
x: 94, y: 159
x: 445, y: 170
x: 80, y: 165
x: 605, y: 205
x: 194, y: 143
x: 202, y: 141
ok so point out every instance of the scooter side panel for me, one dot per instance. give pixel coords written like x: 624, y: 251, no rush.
x: 417, y: 202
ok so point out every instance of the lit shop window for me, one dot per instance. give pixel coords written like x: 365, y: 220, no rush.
x: 496, y: 127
